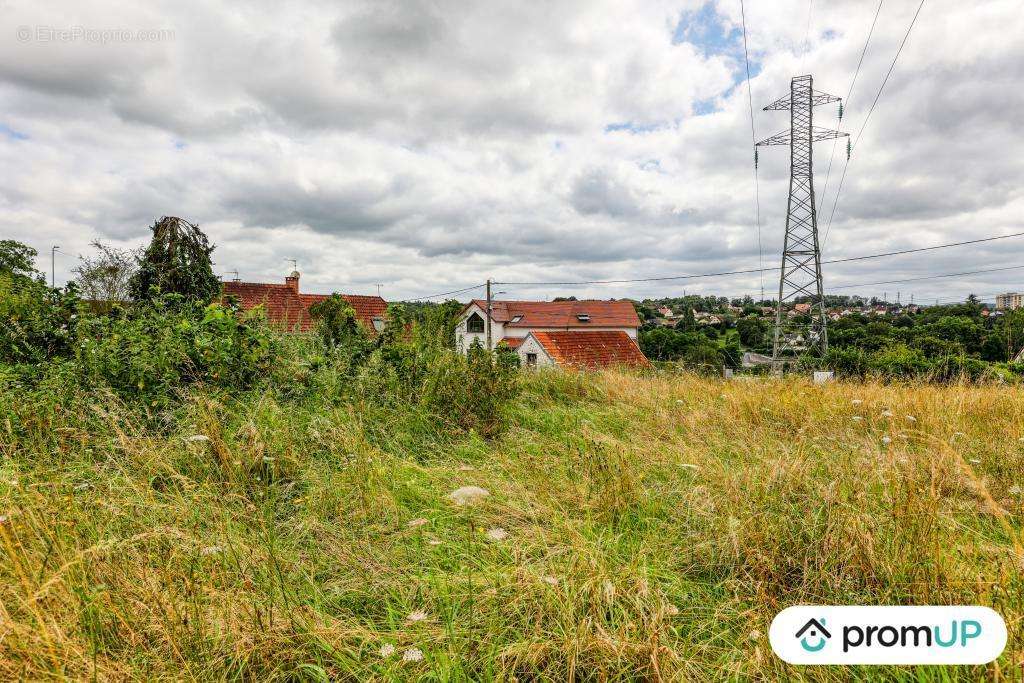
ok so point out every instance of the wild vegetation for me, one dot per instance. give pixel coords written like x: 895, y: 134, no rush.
x: 188, y: 493
x: 935, y: 342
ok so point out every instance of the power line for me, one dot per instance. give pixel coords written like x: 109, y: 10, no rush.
x: 807, y: 35
x: 868, y: 117
x: 454, y: 291
x: 753, y: 140
x: 849, y: 94
x: 927, y: 277
x: 758, y: 270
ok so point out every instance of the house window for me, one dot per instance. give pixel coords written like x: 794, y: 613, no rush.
x: 475, y: 323
x: 531, y: 360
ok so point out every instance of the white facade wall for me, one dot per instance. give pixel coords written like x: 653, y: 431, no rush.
x: 464, y: 339
x: 531, y: 345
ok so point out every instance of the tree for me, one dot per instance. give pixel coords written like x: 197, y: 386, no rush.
x: 687, y: 323
x: 752, y: 331
x: 176, y: 261
x: 17, y: 259
x: 106, y: 276
x: 336, y: 322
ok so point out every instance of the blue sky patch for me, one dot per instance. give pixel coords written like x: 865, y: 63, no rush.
x: 635, y: 128
x: 709, y: 32
x: 12, y: 134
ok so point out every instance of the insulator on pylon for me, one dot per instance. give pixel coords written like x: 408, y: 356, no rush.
x: 840, y: 111
x: 849, y: 148
x: 755, y: 157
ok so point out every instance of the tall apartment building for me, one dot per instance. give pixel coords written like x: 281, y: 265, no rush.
x: 1010, y: 300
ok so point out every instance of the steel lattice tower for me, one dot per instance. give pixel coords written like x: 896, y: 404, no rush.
x: 801, y: 258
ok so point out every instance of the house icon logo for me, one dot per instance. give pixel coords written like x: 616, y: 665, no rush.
x: 815, y: 632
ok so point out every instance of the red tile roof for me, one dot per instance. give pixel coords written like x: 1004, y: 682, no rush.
x: 562, y: 313
x: 513, y: 342
x: 288, y: 309
x: 591, y: 350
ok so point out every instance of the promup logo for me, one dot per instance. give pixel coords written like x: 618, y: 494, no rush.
x: 816, y: 632
x: 888, y: 635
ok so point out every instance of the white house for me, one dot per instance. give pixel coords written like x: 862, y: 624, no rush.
x: 578, y: 333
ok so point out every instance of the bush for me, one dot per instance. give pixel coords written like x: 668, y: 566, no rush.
x: 471, y: 391
x: 704, y: 359
x: 339, y: 330
x: 37, y: 323
x: 952, y: 368
x: 846, y: 362
x: 150, y: 352
x: 899, y: 361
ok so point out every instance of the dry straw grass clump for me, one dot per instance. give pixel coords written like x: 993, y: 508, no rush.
x: 633, y: 528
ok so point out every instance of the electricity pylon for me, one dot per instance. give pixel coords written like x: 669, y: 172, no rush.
x: 801, y: 257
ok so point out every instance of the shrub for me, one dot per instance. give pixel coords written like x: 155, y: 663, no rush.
x: 899, y: 361
x: 37, y: 323
x: 952, y: 368
x: 471, y: 390
x: 152, y: 351
x: 846, y: 362
x: 704, y: 359
x: 338, y: 327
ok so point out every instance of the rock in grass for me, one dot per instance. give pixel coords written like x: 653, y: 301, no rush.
x: 467, y: 495
x: 197, y: 438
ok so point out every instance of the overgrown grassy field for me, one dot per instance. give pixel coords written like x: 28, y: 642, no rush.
x: 635, y: 528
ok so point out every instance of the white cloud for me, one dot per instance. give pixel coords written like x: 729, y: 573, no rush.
x: 429, y: 145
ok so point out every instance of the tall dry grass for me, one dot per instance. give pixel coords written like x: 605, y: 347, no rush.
x: 654, y: 528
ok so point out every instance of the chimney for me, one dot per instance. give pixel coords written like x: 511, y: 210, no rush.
x: 293, y: 281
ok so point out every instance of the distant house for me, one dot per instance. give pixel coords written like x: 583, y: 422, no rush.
x: 575, y: 333
x: 288, y: 309
x: 802, y: 309
x: 666, y: 312
x: 704, y: 318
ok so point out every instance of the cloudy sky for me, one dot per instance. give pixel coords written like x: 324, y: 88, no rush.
x: 429, y: 144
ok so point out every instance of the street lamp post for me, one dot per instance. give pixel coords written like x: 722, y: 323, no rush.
x: 53, y: 267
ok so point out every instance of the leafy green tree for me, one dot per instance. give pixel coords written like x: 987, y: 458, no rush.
x: 687, y: 323
x: 106, y: 275
x: 177, y: 261
x: 703, y: 358
x: 17, y: 259
x: 753, y: 331
x: 336, y: 322
x: 435, y: 324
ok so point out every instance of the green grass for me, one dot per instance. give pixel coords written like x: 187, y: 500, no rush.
x: 655, y: 526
